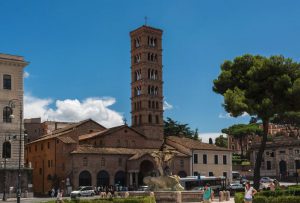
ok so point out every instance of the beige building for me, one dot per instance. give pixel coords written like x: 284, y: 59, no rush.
x: 207, y: 159
x: 281, y: 157
x: 11, y: 103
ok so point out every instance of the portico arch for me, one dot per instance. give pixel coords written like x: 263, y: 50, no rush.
x: 85, y: 178
x: 282, y: 167
x: 120, y: 178
x: 146, y: 169
x: 102, y: 178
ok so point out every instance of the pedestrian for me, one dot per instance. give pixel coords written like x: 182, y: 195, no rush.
x: 59, y: 198
x: 208, y: 194
x: 249, y: 193
x: 272, y: 186
x: 52, y: 192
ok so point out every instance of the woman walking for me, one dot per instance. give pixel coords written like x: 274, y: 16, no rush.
x: 249, y: 193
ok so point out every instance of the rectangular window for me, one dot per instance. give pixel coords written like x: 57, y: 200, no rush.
x: 7, y: 82
x: 49, y: 163
x: 181, y: 163
x: 224, y: 159
x: 268, y: 165
x: 196, y: 173
x: 225, y: 174
x: 204, y: 159
x: 216, y: 159
x: 195, y: 158
x: 210, y: 174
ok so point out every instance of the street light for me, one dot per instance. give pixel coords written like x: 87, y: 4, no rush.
x: 11, y: 104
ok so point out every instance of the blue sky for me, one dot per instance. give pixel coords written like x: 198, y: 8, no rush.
x: 79, y: 51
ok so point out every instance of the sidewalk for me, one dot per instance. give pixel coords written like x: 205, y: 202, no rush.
x: 216, y: 200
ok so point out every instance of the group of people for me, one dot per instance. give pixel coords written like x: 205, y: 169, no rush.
x: 208, y: 194
x: 58, y: 194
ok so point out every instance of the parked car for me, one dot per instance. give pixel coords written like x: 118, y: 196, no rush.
x: 143, y: 188
x: 83, y: 191
x: 266, y: 180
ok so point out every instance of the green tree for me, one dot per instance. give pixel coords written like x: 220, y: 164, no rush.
x: 241, y: 132
x: 174, y: 128
x: 291, y: 121
x: 221, y: 141
x: 261, y: 86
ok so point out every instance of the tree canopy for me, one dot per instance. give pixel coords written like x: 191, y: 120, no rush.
x: 261, y: 86
x: 221, y: 141
x: 291, y: 121
x: 242, y: 131
x: 175, y: 128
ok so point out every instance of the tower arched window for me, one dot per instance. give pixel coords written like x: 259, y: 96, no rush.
x: 156, y: 105
x: 150, y: 118
x: 156, y: 91
x: 137, y: 42
x: 152, y: 91
x: 149, y: 104
x: 140, y: 119
x: 156, y: 75
x: 7, y: 112
x: 157, y: 119
x: 135, y: 120
x: 153, y: 105
x: 6, y: 150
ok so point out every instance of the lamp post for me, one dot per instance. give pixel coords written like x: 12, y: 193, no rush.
x: 11, y: 104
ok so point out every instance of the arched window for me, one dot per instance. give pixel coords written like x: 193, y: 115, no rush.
x: 102, y: 178
x: 150, y: 118
x: 6, y: 150
x: 7, y: 112
x: 135, y: 120
x: 149, y: 104
x: 140, y: 119
x: 153, y: 105
x: 157, y: 119
x: 156, y: 91
x: 156, y: 105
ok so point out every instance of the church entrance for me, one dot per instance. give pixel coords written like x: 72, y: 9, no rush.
x: 146, y: 169
x: 120, y: 178
x: 85, y: 179
x: 282, y: 168
x: 102, y: 178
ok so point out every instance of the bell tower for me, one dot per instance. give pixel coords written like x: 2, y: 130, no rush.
x: 146, y: 82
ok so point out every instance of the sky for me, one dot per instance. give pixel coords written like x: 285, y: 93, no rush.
x: 79, y: 53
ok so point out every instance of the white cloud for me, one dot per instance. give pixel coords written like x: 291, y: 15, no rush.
x: 205, y: 136
x: 26, y: 74
x: 167, y: 106
x: 73, y: 110
x: 228, y: 116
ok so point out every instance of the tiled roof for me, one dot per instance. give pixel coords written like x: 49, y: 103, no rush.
x: 136, y: 153
x: 194, y: 144
x: 67, y: 140
x: 62, y: 131
x: 106, y: 132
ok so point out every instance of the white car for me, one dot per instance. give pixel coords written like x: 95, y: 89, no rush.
x: 83, y: 191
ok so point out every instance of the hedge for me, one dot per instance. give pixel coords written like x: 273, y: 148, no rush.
x: 115, y: 200
x: 288, y: 192
x: 239, y: 198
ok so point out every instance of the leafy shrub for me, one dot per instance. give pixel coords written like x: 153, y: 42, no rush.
x: 260, y: 199
x: 285, y: 199
x: 239, y: 197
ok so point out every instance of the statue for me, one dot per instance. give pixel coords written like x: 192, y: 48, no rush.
x: 165, y: 181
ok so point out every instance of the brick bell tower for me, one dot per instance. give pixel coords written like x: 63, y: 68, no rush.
x: 146, y: 82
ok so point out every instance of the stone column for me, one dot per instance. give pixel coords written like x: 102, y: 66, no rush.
x: 136, y: 178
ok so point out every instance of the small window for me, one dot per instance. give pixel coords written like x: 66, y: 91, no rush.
x: 196, y: 173
x: 225, y: 174
x: 195, y: 158
x: 6, y: 150
x: 150, y: 118
x: 7, y: 82
x: 85, y: 161
x: 268, y: 165
x: 181, y: 163
x: 7, y: 112
x: 224, y: 159
x: 102, y: 162
x: 216, y: 159
x: 297, y: 151
x: 157, y: 119
x: 204, y: 159
x: 210, y: 174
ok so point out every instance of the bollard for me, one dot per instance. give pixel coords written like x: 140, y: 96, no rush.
x: 227, y: 195
x: 126, y: 194
x: 221, y: 196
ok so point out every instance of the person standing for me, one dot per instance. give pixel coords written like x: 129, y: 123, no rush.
x: 249, y: 193
x: 59, y: 197
x: 208, y: 194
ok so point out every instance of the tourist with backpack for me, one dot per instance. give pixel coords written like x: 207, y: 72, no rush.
x: 208, y: 194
